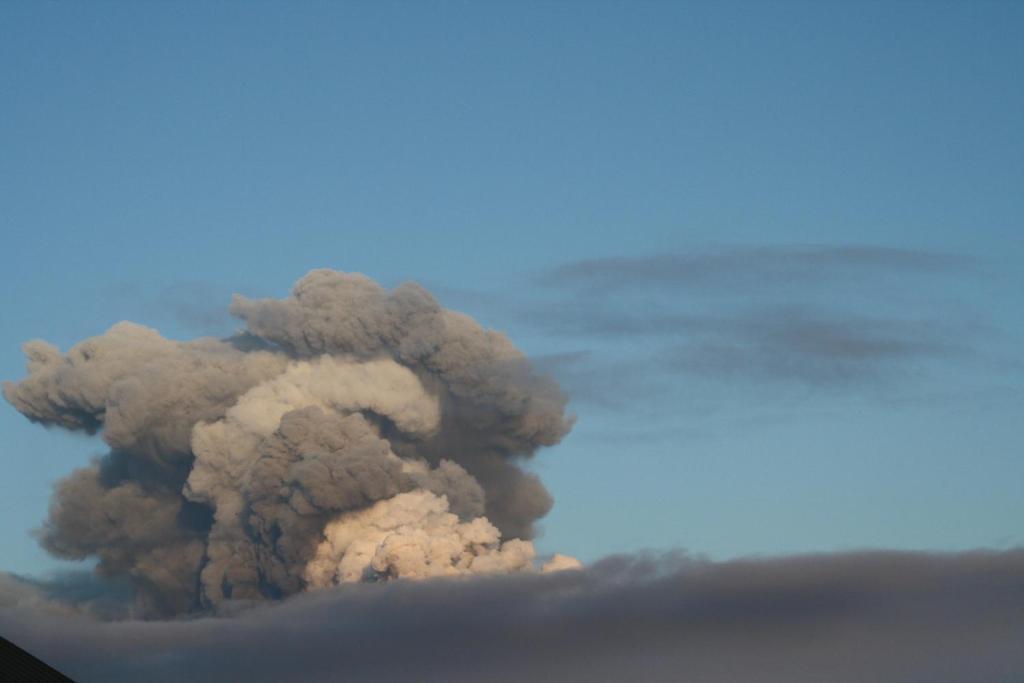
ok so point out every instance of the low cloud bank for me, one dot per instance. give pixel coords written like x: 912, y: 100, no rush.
x: 872, y: 616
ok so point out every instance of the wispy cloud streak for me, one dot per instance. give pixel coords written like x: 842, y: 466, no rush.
x: 745, y: 266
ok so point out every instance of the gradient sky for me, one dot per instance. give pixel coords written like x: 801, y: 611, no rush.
x: 773, y: 250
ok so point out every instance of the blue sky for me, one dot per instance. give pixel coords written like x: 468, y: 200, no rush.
x: 773, y: 250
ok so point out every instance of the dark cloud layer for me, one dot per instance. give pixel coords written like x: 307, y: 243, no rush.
x: 813, y: 317
x: 812, y: 347
x: 632, y: 362
x: 883, y: 617
x: 819, y: 316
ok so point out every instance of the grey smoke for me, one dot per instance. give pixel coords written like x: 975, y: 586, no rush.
x: 493, y: 406
x: 136, y: 527
x: 145, y: 392
x: 229, y: 457
x: 884, y: 617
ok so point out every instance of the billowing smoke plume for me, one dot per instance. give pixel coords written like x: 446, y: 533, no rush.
x: 349, y: 434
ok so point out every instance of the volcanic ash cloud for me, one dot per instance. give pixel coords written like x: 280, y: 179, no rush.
x: 350, y: 433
